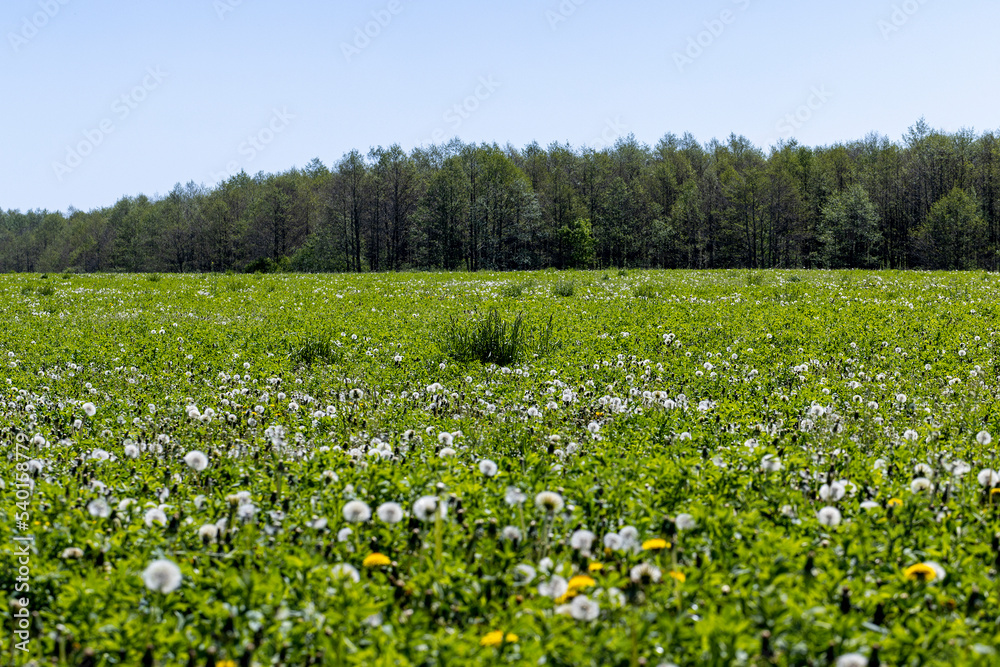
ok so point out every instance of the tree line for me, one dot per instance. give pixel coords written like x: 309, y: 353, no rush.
x: 931, y: 200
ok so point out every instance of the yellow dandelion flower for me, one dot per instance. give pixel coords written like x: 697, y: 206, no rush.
x: 994, y: 493
x: 496, y: 638
x: 655, y: 544
x: 580, y: 581
x: 679, y: 576
x: 226, y: 663
x: 375, y: 560
x: 595, y: 567
x: 920, y: 572
x: 567, y: 596
x: 894, y: 502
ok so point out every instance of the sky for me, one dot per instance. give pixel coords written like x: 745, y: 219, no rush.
x: 125, y: 97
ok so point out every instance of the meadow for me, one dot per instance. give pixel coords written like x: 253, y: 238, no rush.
x: 553, y: 468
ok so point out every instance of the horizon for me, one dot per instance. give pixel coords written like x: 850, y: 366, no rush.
x: 257, y: 87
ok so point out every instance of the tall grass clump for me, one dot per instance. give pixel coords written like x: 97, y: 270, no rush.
x: 645, y: 291
x: 494, y: 340
x: 564, y: 288
x: 314, y: 348
x: 516, y: 290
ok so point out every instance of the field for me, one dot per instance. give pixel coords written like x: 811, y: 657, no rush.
x: 680, y: 468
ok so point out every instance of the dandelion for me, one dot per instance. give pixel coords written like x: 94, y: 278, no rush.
x: 920, y: 572
x: 488, y: 467
x: 584, y: 609
x: 357, y: 511
x: 497, y: 637
x: 376, y: 560
x: 246, y: 512
x: 390, y: 512
x: 852, y: 660
x: 426, y: 507
x: 524, y: 574
x: 595, y: 567
x: 162, y: 576
x: 984, y: 438
x: 613, y: 541
x: 655, y: 544
x: 445, y: 438
x: 514, y: 496
x: 832, y: 492
x: 829, y: 516
x: 920, y: 484
x: 581, y: 540
x: 345, y: 571
x: 511, y: 534
x: 196, y: 460
x: 894, y: 502
x: 677, y: 576
x: 685, y: 522
x: 988, y: 478
x: 645, y: 573
x: 208, y: 533
x: 99, y: 508
x: 72, y: 553
x: 555, y: 588
x: 580, y: 582
x: 549, y: 501
x: 155, y: 515
x: 446, y: 452
x: 89, y: 409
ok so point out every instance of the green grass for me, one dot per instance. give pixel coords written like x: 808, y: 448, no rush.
x: 707, y: 413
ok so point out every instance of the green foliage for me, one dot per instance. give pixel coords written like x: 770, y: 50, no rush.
x: 314, y: 348
x: 954, y: 234
x: 645, y: 291
x: 577, y: 243
x: 564, y: 288
x: 515, y: 290
x: 721, y: 418
x: 489, y: 339
x: 850, y: 230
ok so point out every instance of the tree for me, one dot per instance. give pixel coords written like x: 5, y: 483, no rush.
x: 954, y: 234
x: 850, y: 230
x: 577, y: 241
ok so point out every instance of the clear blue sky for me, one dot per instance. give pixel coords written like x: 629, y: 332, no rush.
x: 120, y: 97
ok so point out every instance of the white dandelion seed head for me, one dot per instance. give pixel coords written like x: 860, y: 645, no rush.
x: 829, y: 516
x: 645, y: 573
x: 196, y: 460
x: 390, y: 512
x: 154, y: 515
x: 582, y: 540
x: 984, y: 438
x: 427, y: 507
x: 99, y: 508
x: 988, y: 478
x: 342, y: 571
x: 549, y: 501
x: 514, y: 496
x: 162, y: 576
x: 357, y: 511
x: 920, y: 484
x: 685, y: 522
x: 89, y: 409
x: 488, y: 467
x: 556, y: 587
x: 852, y: 660
x: 511, y: 533
x: 583, y: 608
